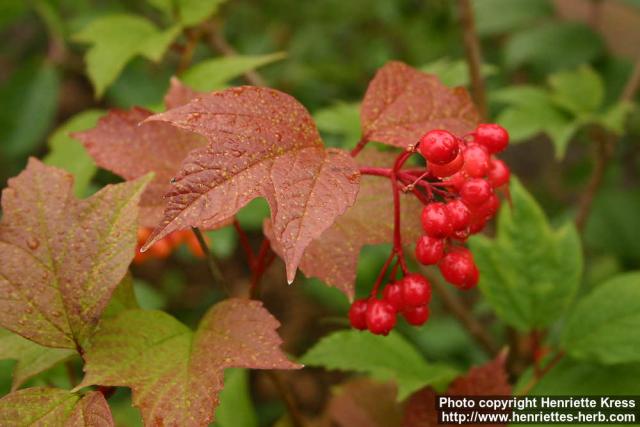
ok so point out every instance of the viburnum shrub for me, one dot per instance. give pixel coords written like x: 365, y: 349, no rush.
x: 64, y: 261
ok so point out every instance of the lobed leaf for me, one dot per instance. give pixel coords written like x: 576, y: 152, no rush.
x: 52, y: 407
x: 61, y: 258
x: 383, y: 358
x: 529, y: 273
x: 262, y: 143
x: 579, y: 91
x: 176, y: 374
x: 603, y: 326
x: 333, y: 257
x: 402, y: 104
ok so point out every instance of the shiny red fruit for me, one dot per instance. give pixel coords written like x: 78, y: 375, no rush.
x: 459, y: 214
x: 489, y: 208
x: 439, y: 146
x: 494, y: 137
x: 416, y: 290
x: 381, y: 317
x: 429, y: 250
x: 392, y: 293
x: 476, y: 160
x: 435, y: 220
x: 416, y: 316
x: 459, y: 269
x: 499, y: 173
x: 358, y: 314
x: 448, y: 169
x: 475, y: 192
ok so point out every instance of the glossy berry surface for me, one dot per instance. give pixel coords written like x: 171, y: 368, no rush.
x: 358, y: 314
x: 416, y: 290
x: 439, y: 146
x: 499, y: 173
x: 392, y: 293
x: 381, y: 317
x: 448, y: 169
x: 429, y: 250
x: 459, y: 214
x: 459, y: 269
x: 435, y: 220
x: 475, y: 192
x: 494, y: 137
x: 476, y: 161
x: 416, y: 316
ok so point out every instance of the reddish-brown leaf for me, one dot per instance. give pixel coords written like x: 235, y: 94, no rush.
x: 124, y: 146
x: 420, y: 409
x: 61, y: 258
x: 53, y: 407
x: 179, y: 94
x: 402, y: 103
x: 261, y: 143
x: 362, y: 402
x: 333, y: 257
x: 176, y: 374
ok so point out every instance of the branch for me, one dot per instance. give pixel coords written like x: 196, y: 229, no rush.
x: 605, y: 147
x: 474, y: 56
x: 212, y: 263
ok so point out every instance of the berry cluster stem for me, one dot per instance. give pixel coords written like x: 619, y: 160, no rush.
x: 212, y: 263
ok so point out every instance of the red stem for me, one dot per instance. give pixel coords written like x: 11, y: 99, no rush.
x: 359, y: 146
x: 383, y: 272
x: 244, y: 242
x: 260, y: 265
x: 397, y: 237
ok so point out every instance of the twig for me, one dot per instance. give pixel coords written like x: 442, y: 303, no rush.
x: 244, y: 242
x: 460, y: 311
x: 605, y: 147
x: 541, y: 373
x: 193, y: 36
x: 295, y: 416
x: 212, y: 263
x: 474, y: 56
x: 259, y: 267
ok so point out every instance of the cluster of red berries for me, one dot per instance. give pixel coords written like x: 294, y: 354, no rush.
x: 463, y: 176
x: 471, y: 174
x: 164, y: 247
x: 408, y: 296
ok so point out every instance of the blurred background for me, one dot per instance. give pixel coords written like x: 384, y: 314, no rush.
x: 555, y: 71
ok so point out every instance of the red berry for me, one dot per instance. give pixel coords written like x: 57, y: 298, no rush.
x: 457, y: 180
x: 429, y: 250
x: 381, y: 317
x: 477, y: 224
x: 461, y: 235
x: 416, y: 315
x: 459, y: 269
x: 489, y: 208
x: 476, y: 160
x: 416, y: 290
x: 435, y: 220
x: 475, y: 192
x: 459, y: 214
x: 358, y: 314
x: 498, y: 173
x: 448, y: 169
x: 439, y: 146
x: 392, y: 293
x: 494, y: 137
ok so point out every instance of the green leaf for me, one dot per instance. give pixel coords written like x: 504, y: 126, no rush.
x: 383, y: 358
x: 123, y: 298
x: 579, y: 91
x: 159, y: 358
x: 501, y: 16
x: 32, y: 358
x: 604, y: 325
x: 455, y: 72
x: 28, y: 103
x: 115, y: 40
x: 67, y: 153
x: 553, y: 46
x: 45, y: 406
x: 529, y: 273
x: 341, y: 119
x: 214, y: 73
x: 189, y: 12
x: 235, y: 407
x: 615, y: 117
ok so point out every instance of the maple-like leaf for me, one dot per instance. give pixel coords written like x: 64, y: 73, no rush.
x: 179, y: 94
x: 54, y: 407
x: 402, y: 104
x: 31, y: 358
x: 123, y: 145
x: 333, y: 257
x: 60, y: 257
x: 175, y: 373
x: 262, y: 142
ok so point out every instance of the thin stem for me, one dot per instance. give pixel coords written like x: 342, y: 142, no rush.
x: 397, y: 236
x: 284, y: 392
x: 474, y: 56
x: 540, y: 374
x: 259, y: 267
x: 193, y: 36
x: 383, y: 272
x: 359, y: 146
x: 244, y: 242
x: 212, y: 263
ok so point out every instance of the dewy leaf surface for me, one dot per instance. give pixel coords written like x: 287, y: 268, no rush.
x: 60, y: 257
x: 53, y: 407
x: 176, y: 374
x: 402, y: 104
x: 262, y: 143
x: 124, y: 146
x: 333, y: 257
